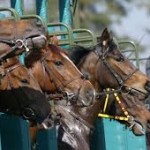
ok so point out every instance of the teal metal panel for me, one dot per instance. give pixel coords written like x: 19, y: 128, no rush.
x: 14, y: 133
x: 0, y: 142
x: 46, y: 140
x: 41, y: 9
x: 65, y: 12
x: 111, y: 135
x: 18, y: 6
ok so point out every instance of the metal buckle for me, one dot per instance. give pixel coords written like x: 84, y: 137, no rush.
x: 22, y: 43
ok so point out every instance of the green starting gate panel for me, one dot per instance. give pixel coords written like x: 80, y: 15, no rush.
x: 112, y: 135
x: 46, y: 139
x: 14, y: 133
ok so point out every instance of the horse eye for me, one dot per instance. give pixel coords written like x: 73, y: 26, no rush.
x: 58, y: 63
x: 24, y: 81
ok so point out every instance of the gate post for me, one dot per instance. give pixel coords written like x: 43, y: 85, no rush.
x: 18, y: 6
x: 41, y: 9
x: 65, y: 13
x: 14, y: 133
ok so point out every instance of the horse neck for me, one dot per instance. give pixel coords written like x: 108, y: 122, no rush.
x: 89, y: 114
x: 10, y: 62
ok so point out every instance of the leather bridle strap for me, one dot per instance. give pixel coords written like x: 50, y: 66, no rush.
x: 26, y: 43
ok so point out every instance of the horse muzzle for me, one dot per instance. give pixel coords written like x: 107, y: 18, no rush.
x: 147, y: 86
x: 87, y: 96
x: 136, y: 126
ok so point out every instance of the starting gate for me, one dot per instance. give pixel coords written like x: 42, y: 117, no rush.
x: 109, y: 134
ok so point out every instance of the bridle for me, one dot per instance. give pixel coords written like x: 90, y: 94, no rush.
x: 102, y: 57
x: 121, y: 82
x: 57, y: 80
x: 19, y: 46
x: 22, y: 109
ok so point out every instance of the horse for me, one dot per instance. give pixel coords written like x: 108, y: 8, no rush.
x: 20, y: 93
x: 59, y: 78
x: 28, y: 100
x: 105, y: 66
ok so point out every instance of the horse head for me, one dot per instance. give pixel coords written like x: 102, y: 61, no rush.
x: 107, y: 67
x: 56, y: 73
x: 20, y: 93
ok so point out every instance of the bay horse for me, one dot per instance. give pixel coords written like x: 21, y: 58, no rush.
x: 56, y: 73
x: 59, y: 78
x: 20, y: 93
x: 106, y: 67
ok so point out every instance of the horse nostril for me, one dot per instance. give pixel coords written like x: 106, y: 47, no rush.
x: 147, y: 86
x: 90, y: 94
x: 85, y: 77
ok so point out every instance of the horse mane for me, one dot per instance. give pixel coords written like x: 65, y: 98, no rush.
x: 78, y: 53
x: 32, y: 56
x: 55, y: 48
x: 36, y: 54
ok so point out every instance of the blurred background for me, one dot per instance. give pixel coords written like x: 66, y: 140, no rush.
x: 127, y: 19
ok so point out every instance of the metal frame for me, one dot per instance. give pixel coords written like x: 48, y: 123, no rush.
x: 12, y: 11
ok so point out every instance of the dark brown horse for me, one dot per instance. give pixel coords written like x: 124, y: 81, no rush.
x: 20, y: 93
x: 106, y: 67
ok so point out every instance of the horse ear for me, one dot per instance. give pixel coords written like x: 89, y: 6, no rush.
x: 106, y: 36
x: 54, y: 40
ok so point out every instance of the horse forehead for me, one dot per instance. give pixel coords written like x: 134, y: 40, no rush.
x: 125, y: 65
x: 61, y: 55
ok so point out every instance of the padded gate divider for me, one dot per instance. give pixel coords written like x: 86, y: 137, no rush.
x: 112, y: 135
x: 14, y: 133
x: 46, y: 139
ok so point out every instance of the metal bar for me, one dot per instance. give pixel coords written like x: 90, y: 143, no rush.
x: 67, y: 32
x: 33, y: 17
x: 12, y: 11
x: 65, y: 14
x: 77, y: 37
x: 18, y: 6
x: 41, y: 9
x: 135, y: 50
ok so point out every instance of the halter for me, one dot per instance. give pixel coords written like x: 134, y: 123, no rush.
x: 70, y: 98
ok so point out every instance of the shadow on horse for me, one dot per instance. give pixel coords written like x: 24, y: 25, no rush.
x: 106, y: 67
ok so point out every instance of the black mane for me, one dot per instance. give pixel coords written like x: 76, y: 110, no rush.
x: 78, y: 53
